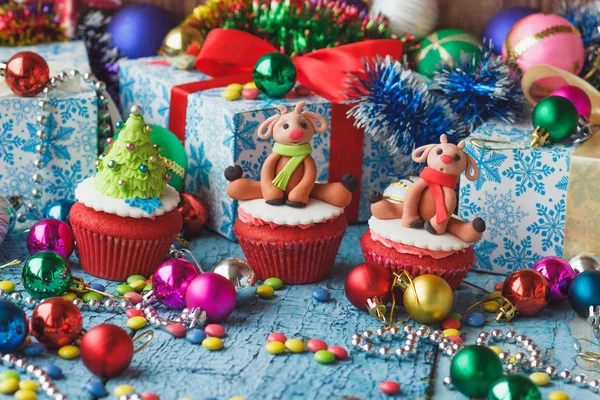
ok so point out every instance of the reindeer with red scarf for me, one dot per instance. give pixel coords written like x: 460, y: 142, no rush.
x: 431, y: 200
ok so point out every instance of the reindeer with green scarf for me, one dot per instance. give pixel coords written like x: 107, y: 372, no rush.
x: 289, y: 173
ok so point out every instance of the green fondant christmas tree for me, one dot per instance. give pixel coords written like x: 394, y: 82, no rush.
x: 133, y: 169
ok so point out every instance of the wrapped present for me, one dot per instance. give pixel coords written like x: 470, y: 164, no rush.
x: 71, y: 127
x: 522, y: 196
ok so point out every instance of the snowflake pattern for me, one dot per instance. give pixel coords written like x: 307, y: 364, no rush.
x: 488, y: 162
x: 57, y: 140
x: 9, y: 142
x: 146, y: 205
x: 529, y: 171
x: 484, y: 250
x: 501, y: 214
x: 199, y: 168
x: 517, y: 255
x: 65, y: 180
x: 468, y: 207
x: 550, y: 224
x: 241, y: 134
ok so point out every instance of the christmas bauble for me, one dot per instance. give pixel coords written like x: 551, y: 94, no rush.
x: 428, y: 299
x: 585, y: 292
x: 58, y: 209
x: 578, y: 97
x: 558, y: 274
x: 7, y: 218
x: 46, y: 274
x: 527, y: 290
x: 274, y: 74
x: 514, y: 387
x: 212, y: 293
x: 585, y: 262
x: 14, y: 327
x: 474, y: 369
x: 445, y: 47
x: 366, y: 281
x: 170, y: 281
x: 56, y: 322
x: 417, y: 17
x: 138, y: 30
x: 172, y: 149
x: 558, y: 116
x: 51, y: 235
x: 194, y: 213
x: 26, y: 73
x: 181, y: 46
x: 241, y: 275
x: 500, y: 24
x: 106, y: 350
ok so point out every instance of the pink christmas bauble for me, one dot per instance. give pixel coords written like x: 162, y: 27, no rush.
x: 578, y: 97
x: 51, y: 235
x: 212, y: 293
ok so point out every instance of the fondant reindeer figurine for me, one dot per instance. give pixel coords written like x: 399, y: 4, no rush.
x: 289, y: 173
x: 431, y: 200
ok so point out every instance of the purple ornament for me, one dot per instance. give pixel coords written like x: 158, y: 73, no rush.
x: 499, y: 25
x: 51, y: 235
x: 171, y: 280
x: 559, y: 275
x: 578, y: 97
x: 213, y: 294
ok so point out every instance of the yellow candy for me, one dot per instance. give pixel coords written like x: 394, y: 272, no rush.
x: 230, y: 95
x: 122, y: 390
x: 28, y: 385
x: 491, y: 306
x: 250, y: 85
x: 540, y: 378
x: 294, y: 345
x: 451, y: 332
x: 25, y: 395
x: 7, y: 286
x: 558, y: 396
x: 68, y: 352
x: 265, y: 291
x: 136, y: 322
x: 185, y: 398
x: 69, y: 296
x: 26, y: 343
x: 138, y: 285
x: 513, y: 359
x: 212, y: 343
x: 237, y: 398
x: 235, y: 87
x: 275, y: 348
x: 496, y: 295
x: 9, y: 386
x: 496, y: 349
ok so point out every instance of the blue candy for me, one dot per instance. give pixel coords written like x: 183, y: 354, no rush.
x: 34, y: 349
x: 53, y: 371
x: 96, y: 388
x: 320, y: 294
x: 195, y: 336
x: 475, y: 319
x: 98, y: 286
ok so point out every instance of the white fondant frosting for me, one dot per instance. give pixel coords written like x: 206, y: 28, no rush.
x: 315, y: 211
x: 393, y: 230
x: 87, y: 194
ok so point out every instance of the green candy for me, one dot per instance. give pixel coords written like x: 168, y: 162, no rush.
x: 455, y: 315
x: 46, y: 274
x: 324, y: 357
x: 558, y: 116
x: 122, y: 289
x: 10, y: 375
x: 474, y: 369
x: 134, y: 278
x: 91, y: 295
x: 147, y: 287
x: 137, y: 285
x: 514, y: 387
x: 275, y: 283
x: 274, y: 74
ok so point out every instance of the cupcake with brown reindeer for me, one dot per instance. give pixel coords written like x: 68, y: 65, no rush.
x: 288, y: 225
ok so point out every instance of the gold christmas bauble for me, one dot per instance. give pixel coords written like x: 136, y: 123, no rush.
x: 181, y: 46
x: 428, y: 299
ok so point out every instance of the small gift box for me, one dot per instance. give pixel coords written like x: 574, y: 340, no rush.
x: 71, y: 144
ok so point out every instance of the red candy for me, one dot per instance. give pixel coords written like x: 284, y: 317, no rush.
x: 451, y: 323
x: 176, y: 330
x: 149, y: 396
x: 250, y: 93
x: 339, y: 352
x: 133, y: 297
x: 132, y: 312
x: 498, y: 286
x: 276, y: 337
x: 214, y: 330
x: 315, y: 345
x: 389, y: 387
x: 456, y: 339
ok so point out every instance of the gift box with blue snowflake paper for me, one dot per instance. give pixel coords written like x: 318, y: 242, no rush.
x: 220, y: 133
x: 521, y: 195
x: 71, y: 143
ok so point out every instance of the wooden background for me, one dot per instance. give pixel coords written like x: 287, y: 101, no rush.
x: 470, y: 15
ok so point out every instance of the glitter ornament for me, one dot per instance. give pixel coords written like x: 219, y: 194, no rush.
x: 51, y: 235
x: 56, y: 322
x: 26, y: 73
x: 106, y: 350
x: 212, y: 293
x: 274, y: 74
x: 13, y: 327
x: 45, y: 275
x: 559, y: 275
x: 170, y: 282
x: 527, y: 290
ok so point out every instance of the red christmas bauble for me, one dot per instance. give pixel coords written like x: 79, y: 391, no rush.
x: 26, y: 73
x: 106, y: 350
x: 366, y: 281
x: 527, y: 290
x: 194, y: 213
x: 56, y: 322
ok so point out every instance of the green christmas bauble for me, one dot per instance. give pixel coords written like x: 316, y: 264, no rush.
x: 445, y: 47
x: 514, y: 387
x: 558, y: 116
x: 474, y: 369
x: 172, y: 149
x: 45, y: 275
x: 274, y: 74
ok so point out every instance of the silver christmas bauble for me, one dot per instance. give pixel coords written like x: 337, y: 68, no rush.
x: 585, y: 262
x: 238, y: 272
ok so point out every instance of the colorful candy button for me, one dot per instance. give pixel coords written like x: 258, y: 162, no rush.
x: 136, y: 323
x: 558, y: 396
x: 294, y: 345
x: 122, y: 289
x: 176, y: 330
x: 451, y: 332
x: 389, y: 387
x: 250, y: 94
x: 315, y: 345
x: 149, y: 396
x: 324, y: 357
x: 276, y: 337
x: 212, y: 343
x: 123, y: 390
x: 275, y: 348
x: 235, y: 87
x: 275, y: 283
x: 25, y: 395
x: 133, y: 297
x: 195, y: 336
x: 134, y: 278
x: 138, y: 286
x: 69, y: 296
x: 498, y: 286
x: 9, y: 386
x: 540, y: 378
x: 53, y: 371
x: 96, y: 388
x: 34, y: 349
x: 451, y: 323
x: 339, y: 352
x: 475, y: 319
x: 496, y: 349
x: 230, y: 95
x: 455, y: 315
x: 132, y: 312
x: 265, y: 291
x: 10, y: 374
x: 28, y: 385
x: 147, y: 287
x: 491, y: 306
x: 321, y: 294
x: 7, y: 286
x: 214, y: 330
x: 68, y: 352
x: 91, y: 295
x: 456, y: 339
x: 98, y: 286
x: 250, y: 85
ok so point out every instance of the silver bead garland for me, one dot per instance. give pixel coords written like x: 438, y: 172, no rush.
x: 36, y: 372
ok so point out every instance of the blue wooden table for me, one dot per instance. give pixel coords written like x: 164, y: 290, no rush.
x: 174, y: 368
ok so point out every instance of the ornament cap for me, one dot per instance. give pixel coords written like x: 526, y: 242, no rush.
x: 136, y: 109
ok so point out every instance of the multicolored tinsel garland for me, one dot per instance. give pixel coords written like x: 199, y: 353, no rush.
x: 477, y: 91
x: 395, y: 108
x: 29, y: 24
x: 294, y: 26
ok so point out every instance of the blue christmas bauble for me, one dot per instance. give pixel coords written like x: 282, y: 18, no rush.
x: 585, y: 292
x: 138, y: 30
x: 14, y: 327
x: 500, y: 24
x: 58, y: 209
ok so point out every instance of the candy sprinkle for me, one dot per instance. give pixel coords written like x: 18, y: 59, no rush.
x: 276, y: 337
x: 10, y: 374
x: 275, y: 348
x: 294, y: 345
x: 275, y: 283
x: 123, y: 390
x: 540, y: 378
x: 321, y: 294
x: 8, y: 386
x: 558, y: 396
x: 136, y: 323
x: 389, y: 387
x: 28, y: 385
x: 68, y: 352
x: 315, y: 345
x: 214, y: 330
x: 265, y: 291
x: 25, y: 395
x: 212, y: 343
x: 324, y: 357
x: 339, y: 352
x: 7, y: 286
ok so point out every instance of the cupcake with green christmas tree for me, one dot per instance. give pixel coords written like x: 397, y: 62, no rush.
x: 126, y: 217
